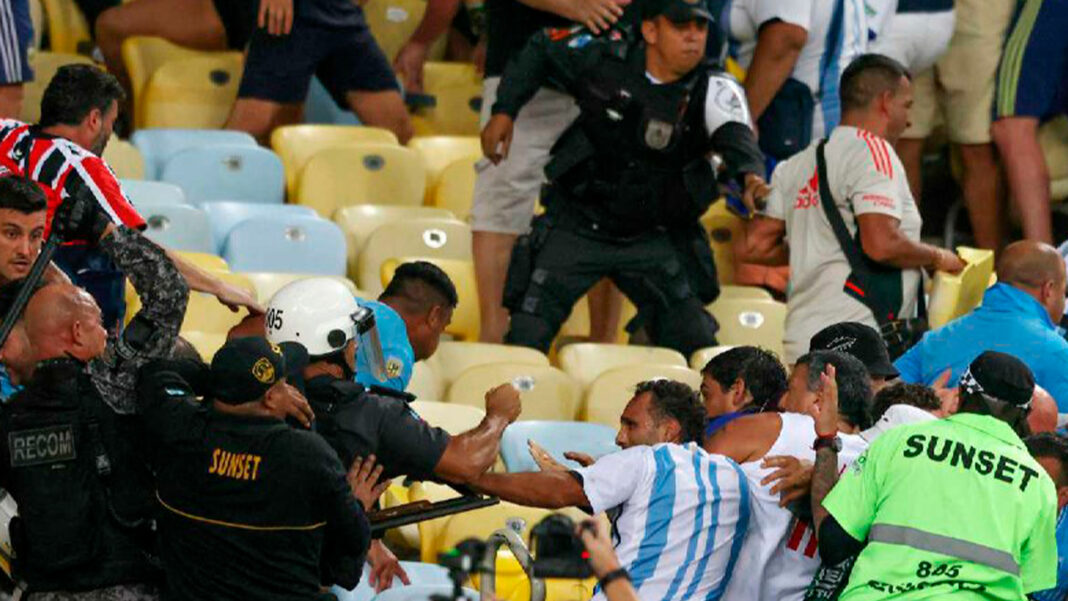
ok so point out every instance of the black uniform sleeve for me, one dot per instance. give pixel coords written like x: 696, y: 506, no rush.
x: 737, y: 144
x: 551, y: 57
x: 407, y: 444
x: 348, y: 533
x: 835, y: 544
x: 168, y: 403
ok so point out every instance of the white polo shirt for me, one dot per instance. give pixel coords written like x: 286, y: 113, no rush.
x: 865, y: 176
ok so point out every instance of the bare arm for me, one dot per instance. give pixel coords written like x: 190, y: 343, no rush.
x: 470, y: 454
x: 778, y: 46
x: 551, y: 490
x: 596, y: 15
x: 201, y: 281
x: 413, y: 55
x: 883, y: 241
x: 825, y: 472
x: 765, y: 242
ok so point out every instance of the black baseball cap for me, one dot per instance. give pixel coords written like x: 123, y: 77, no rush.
x: 678, y: 11
x: 244, y: 369
x: 859, y: 340
x: 999, y: 376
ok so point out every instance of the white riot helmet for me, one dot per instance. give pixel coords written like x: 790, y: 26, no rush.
x: 316, y: 312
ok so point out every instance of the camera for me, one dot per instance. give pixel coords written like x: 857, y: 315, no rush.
x: 558, y: 552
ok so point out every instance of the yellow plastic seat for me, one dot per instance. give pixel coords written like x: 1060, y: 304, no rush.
x: 552, y: 394
x: 124, y: 159
x: 424, y: 237
x: 439, y: 152
x: 360, y: 221
x: 465, y: 322
x: 453, y: 358
x: 392, y: 23
x: 748, y: 321
x: 457, y: 91
x: 609, y: 394
x: 700, y: 358
x: 37, y: 18
x: 45, y: 65
x: 295, y: 144
x: 205, y: 261
x: 955, y: 295
x: 204, y: 313
x: 1053, y: 136
x: 426, y: 382
x: 192, y: 93
x: 586, y: 361
x: 366, y: 173
x: 454, y: 419
x: 456, y: 188
x: 723, y: 229
x: 206, y: 343
x: 68, y: 31
x: 754, y: 292
x: 266, y: 283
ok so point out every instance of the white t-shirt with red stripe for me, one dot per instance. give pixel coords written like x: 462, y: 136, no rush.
x: 865, y: 176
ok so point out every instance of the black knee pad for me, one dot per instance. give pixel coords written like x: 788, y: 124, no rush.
x: 685, y: 327
x: 531, y: 331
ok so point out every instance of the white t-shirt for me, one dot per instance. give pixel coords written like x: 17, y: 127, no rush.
x: 683, y: 514
x: 746, y: 17
x: 865, y: 176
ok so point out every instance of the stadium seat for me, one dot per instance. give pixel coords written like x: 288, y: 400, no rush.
x: 453, y: 358
x: 956, y: 295
x: 267, y: 283
x: 143, y: 193
x: 750, y: 321
x: 37, y: 18
x: 420, y: 574
x: 228, y: 172
x: 204, y: 314
x: 439, y: 152
x: 609, y: 394
x: 556, y: 437
x: 423, y: 592
x: 225, y: 216
x: 465, y: 322
x: 755, y: 292
x: 457, y: 92
x: 124, y: 159
x: 371, y: 173
x: 295, y: 144
x: 424, y: 237
x: 360, y: 221
x: 68, y: 31
x: 159, y: 145
x: 456, y: 188
x: 550, y: 393
x: 586, y: 361
x: 700, y: 358
x: 45, y: 65
x: 178, y: 226
x: 320, y: 108
x: 723, y: 229
x: 392, y: 23
x: 454, y: 419
x: 196, y: 92
x: 1053, y: 137
x: 207, y: 261
x: 426, y: 383
x: 293, y: 244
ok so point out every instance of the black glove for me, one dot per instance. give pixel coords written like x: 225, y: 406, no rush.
x: 79, y: 218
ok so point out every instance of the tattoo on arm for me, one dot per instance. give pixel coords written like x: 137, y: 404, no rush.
x: 824, y: 477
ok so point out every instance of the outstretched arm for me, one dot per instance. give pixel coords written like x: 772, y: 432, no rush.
x: 551, y: 490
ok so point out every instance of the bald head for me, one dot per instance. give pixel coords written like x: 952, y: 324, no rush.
x: 62, y: 319
x: 1043, y: 415
x: 1037, y: 269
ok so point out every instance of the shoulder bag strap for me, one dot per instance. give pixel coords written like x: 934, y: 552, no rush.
x: 852, y: 252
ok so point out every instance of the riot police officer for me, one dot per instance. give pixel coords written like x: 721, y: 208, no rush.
x: 630, y: 178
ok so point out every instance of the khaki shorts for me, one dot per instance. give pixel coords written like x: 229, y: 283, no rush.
x: 959, y: 91
x: 505, y: 194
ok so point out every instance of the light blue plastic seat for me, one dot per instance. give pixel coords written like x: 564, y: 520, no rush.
x: 156, y: 193
x: 320, y: 107
x: 596, y: 440
x: 159, y: 145
x: 227, y: 172
x: 421, y: 574
x: 225, y: 215
x: 415, y: 592
x: 288, y: 244
x: 178, y: 227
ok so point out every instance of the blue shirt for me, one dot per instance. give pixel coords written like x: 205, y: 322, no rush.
x: 1060, y: 592
x: 6, y: 387
x: 396, y: 349
x: 1010, y: 321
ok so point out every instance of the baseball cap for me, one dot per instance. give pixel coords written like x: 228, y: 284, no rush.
x: 999, y: 376
x: 859, y: 340
x: 896, y: 415
x: 244, y: 369
x: 678, y: 11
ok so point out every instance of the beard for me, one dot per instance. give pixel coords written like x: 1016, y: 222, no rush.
x: 100, y: 144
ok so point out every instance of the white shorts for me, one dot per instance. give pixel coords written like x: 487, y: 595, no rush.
x: 916, y: 40
x: 505, y: 194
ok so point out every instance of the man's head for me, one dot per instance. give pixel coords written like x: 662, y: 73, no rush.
x: 81, y: 104
x: 675, y: 33
x: 22, y: 221
x: 425, y: 298
x: 742, y: 378
x: 998, y: 385
x: 320, y: 314
x: 854, y: 387
x: 901, y: 393
x: 876, y: 93
x: 1043, y: 414
x: 252, y: 369
x: 861, y: 341
x: 1037, y: 269
x: 1051, y: 452
x: 661, y: 411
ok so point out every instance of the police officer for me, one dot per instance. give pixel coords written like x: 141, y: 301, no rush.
x: 630, y: 178
x: 951, y: 507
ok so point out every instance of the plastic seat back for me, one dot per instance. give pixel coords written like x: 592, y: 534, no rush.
x: 68, y: 30
x: 424, y: 237
x: 556, y: 437
x: 956, y: 295
x: 747, y: 321
x: 453, y: 358
x: 141, y: 192
x: 368, y: 173
x: 228, y: 172
x: 609, y: 394
x: 159, y: 145
x: 700, y: 358
x: 457, y: 92
x: 124, y: 159
x: 195, y: 92
x: 426, y: 382
x: 294, y: 244
x: 456, y: 188
x: 439, y: 152
x: 295, y: 144
x: 267, y: 283
x: 178, y: 226
x: 226, y: 215
x: 586, y: 361
x: 546, y: 392
x: 454, y: 419
x: 723, y: 229
x: 360, y: 221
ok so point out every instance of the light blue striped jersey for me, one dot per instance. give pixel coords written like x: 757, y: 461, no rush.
x: 682, y: 517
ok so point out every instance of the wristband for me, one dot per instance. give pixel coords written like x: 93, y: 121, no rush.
x: 612, y: 576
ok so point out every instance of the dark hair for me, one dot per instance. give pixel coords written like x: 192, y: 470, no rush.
x: 760, y: 370
x: 75, y: 91
x: 420, y: 286
x: 22, y: 194
x: 679, y: 402
x: 1055, y: 446
x: 915, y: 395
x: 854, y: 384
x: 184, y: 350
x: 868, y: 76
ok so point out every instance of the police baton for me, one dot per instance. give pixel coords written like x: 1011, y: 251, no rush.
x: 28, y: 286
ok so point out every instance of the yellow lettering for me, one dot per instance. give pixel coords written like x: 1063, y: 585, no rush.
x: 245, y: 467
x: 214, y: 461
x: 235, y: 466
x: 256, y: 465
x: 239, y: 466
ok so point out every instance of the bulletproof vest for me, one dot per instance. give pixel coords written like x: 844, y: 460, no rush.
x: 83, y: 490
x: 636, y: 155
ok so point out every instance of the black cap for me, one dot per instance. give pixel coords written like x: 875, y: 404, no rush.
x: 999, y: 376
x: 859, y: 340
x: 245, y: 368
x: 678, y: 11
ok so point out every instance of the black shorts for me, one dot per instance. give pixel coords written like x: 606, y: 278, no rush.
x: 239, y: 20
x: 346, y: 59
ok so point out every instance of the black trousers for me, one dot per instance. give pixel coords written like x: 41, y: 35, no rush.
x: 566, y: 261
